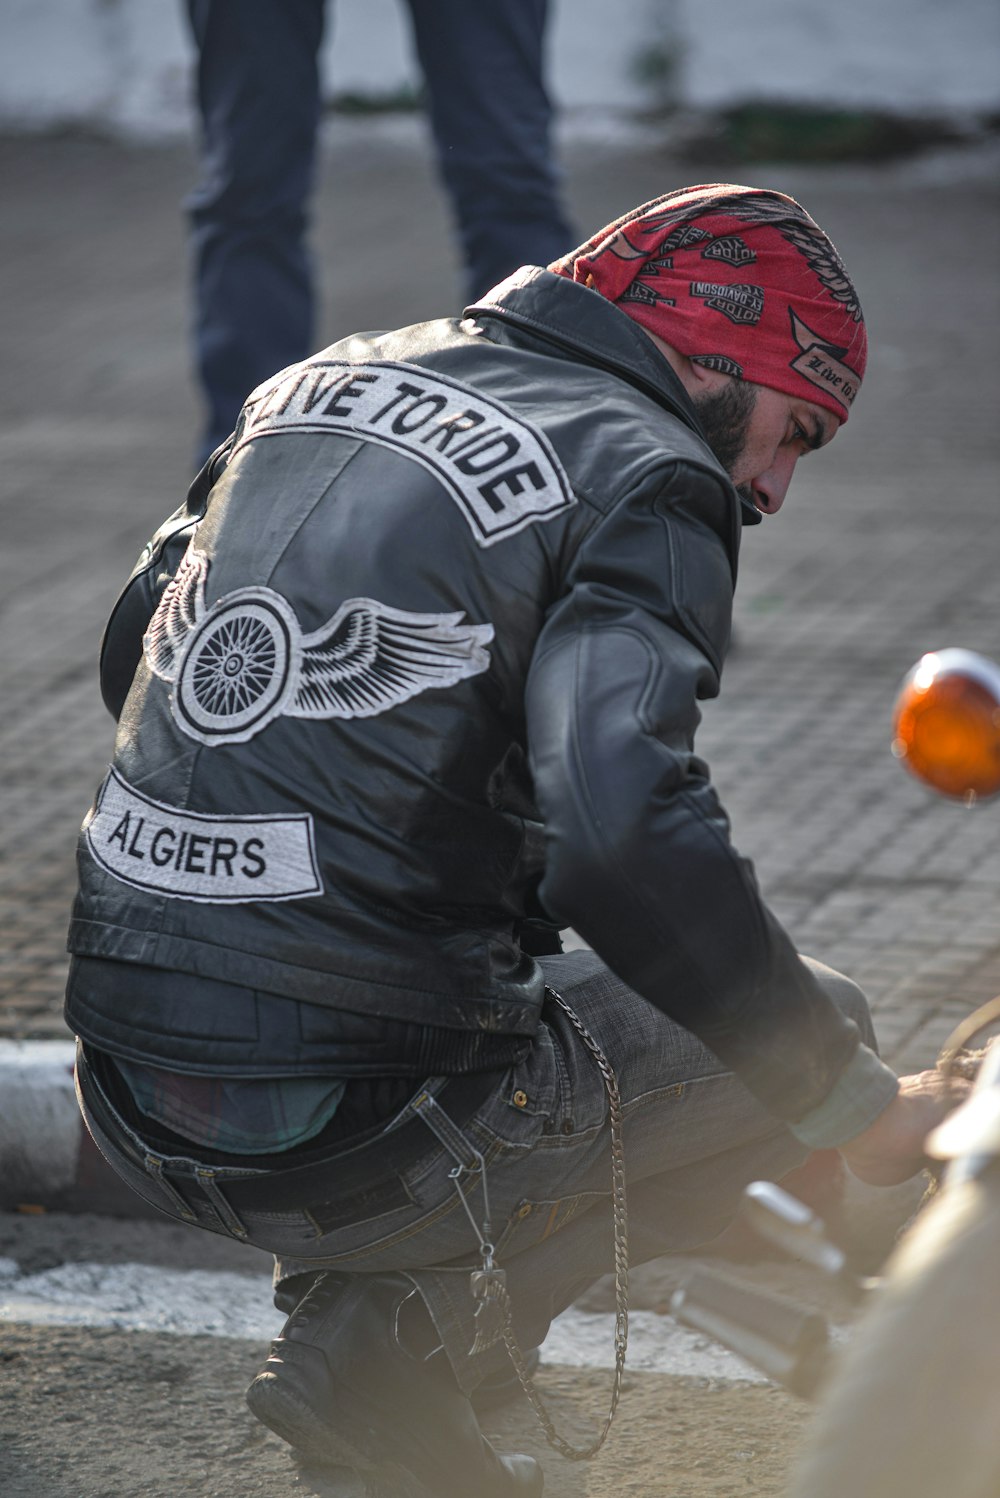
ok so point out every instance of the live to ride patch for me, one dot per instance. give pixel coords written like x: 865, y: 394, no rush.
x: 499, y: 469
x: 193, y: 856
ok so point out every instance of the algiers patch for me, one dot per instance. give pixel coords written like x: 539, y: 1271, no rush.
x: 245, y: 661
x: 189, y: 855
x: 499, y: 469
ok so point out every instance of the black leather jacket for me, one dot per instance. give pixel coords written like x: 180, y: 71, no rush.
x: 439, y: 575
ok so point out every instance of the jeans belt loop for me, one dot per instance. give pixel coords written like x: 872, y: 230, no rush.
x: 153, y: 1166
x: 217, y: 1200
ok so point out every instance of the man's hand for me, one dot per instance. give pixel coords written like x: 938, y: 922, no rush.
x: 892, y: 1148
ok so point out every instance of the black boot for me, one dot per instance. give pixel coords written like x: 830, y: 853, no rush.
x: 341, y: 1387
x: 499, y: 1389
x: 504, y: 1386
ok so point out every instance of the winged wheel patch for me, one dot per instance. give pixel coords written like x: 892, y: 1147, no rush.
x: 245, y: 661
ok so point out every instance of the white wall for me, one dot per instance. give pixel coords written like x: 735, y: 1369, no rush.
x: 120, y: 63
x: 126, y: 63
x: 906, y: 54
x: 591, y: 45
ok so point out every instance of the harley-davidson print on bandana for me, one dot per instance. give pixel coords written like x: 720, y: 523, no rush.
x: 736, y: 278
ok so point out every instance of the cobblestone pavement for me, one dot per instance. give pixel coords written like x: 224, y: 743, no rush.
x: 888, y: 546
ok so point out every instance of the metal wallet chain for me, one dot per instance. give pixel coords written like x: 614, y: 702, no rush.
x: 489, y: 1287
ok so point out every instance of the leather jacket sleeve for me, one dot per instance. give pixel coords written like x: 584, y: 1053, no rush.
x: 639, y: 857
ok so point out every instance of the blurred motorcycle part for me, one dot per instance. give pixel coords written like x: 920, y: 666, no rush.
x: 946, y: 724
x: 913, y: 1406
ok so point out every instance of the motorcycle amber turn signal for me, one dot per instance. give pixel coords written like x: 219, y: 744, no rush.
x: 946, y: 724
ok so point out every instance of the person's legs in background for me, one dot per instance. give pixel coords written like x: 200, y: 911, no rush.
x: 491, y: 117
x: 259, y: 99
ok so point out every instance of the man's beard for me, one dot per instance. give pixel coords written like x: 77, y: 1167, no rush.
x: 725, y: 415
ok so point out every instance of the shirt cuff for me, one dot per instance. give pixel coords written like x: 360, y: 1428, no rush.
x: 864, y: 1089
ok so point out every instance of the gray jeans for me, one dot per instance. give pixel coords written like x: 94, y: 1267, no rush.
x: 694, y: 1137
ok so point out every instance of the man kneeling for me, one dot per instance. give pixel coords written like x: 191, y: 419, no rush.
x: 409, y: 684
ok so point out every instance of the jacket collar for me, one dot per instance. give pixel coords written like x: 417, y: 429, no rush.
x: 586, y: 323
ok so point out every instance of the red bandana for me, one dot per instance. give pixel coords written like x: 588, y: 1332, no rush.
x: 739, y: 279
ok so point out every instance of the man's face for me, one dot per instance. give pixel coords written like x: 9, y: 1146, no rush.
x: 759, y: 434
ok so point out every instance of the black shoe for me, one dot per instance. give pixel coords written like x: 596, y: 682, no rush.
x: 501, y: 1387
x: 295, y: 1288
x: 493, y: 1392
x: 344, y: 1482
x: 340, y: 1387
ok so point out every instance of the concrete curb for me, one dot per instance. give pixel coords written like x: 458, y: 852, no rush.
x: 48, y: 1161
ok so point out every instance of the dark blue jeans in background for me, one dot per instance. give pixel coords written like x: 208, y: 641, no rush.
x: 259, y: 98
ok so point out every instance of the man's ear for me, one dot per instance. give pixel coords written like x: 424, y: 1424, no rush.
x: 696, y: 379
x: 704, y: 379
